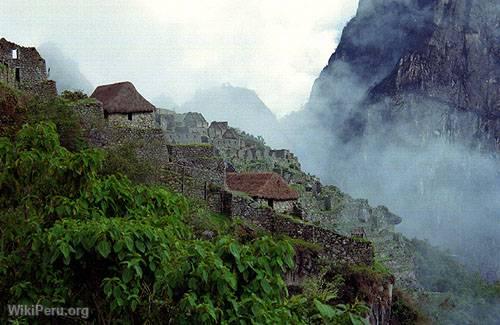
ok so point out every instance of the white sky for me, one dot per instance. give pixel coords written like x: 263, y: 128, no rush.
x: 276, y: 48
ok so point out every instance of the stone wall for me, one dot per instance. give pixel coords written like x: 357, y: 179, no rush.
x: 149, y: 143
x: 306, y: 265
x: 197, y: 172
x: 191, y: 152
x: 150, y: 146
x: 339, y: 248
x: 27, y: 72
x: 91, y: 114
x: 283, y: 206
x: 138, y: 120
x: 44, y: 90
x: 193, y: 170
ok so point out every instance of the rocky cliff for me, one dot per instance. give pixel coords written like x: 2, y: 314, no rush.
x: 407, y: 114
x: 430, y: 65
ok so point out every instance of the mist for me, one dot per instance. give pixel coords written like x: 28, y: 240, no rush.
x: 445, y: 191
x: 241, y: 107
x: 176, y: 48
x: 64, y: 70
x: 424, y: 158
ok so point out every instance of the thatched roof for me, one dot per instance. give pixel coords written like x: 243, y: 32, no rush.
x: 261, y: 185
x: 122, y: 98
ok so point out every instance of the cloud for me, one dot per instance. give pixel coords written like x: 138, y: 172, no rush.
x: 177, y: 47
x: 64, y: 70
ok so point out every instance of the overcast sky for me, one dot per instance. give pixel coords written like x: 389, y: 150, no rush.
x: 276, y: 48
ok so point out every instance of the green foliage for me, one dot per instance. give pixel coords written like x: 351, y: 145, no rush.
x: 318, y: 302
x: 305, y: 244
x: 376, y: 272
x: 455, y: 295
x: 441, y: 273
x: 59, y: 112
x: 71, y: 236
x: 405, y: 311
x: 12, y: 110
x: 122, y: 160
x: 74, y: 96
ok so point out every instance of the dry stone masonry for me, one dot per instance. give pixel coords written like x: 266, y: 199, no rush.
x: 23, y: 68
x: 341, y: 249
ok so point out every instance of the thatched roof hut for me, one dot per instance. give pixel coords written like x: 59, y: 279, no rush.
x: 122, y: 98
x: 270, y: 186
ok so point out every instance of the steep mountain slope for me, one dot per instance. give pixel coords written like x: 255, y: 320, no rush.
x: 406, y: 114
x: 441, y: 54
x: 241, y: 107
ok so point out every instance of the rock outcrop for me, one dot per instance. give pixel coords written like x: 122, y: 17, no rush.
x: 430, y: 65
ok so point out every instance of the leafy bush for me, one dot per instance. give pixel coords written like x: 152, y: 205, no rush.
x: 12, y: 110
x: 317, y: 301
x: 74, y: 95
x: 122, y: 159
x: 73, y: 237
x: 405, y: 311
x: 59, y: 112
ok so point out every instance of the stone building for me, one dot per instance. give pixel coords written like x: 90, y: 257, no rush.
x: 166, y: 119
x: 196, y: 122
x: 217, y: 129
x: 23, y: 68
x: 124, y: 106
x: 186, y: 128
x: 231, y: 139
x: 266, y: 188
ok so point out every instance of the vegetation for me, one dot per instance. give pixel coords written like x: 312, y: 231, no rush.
x: 13, y: 107
x: 72, y: 235
x: 453, y: 294
x: 122, y: 159
x: 405, y: 310
x: 74, y: 96
x: 58, y: 111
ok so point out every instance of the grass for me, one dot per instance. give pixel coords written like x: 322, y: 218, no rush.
x: 295, y: 219
x: 193, y: 145
x: 84, y: 101
x: 241, y: 194
x: 304, y: 243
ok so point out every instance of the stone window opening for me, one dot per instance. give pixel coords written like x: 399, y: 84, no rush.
x: 18, y: 74
x: 129, y: 116
x: 15, y: 54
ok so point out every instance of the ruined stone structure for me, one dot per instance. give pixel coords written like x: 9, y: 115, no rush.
x: 217, y: 129
x: 231, y: 143
x: 148, y: 142
x: 123, y: 105
x: 188, y: 128
x: 197, y: 172
x: 341, y: 249
x: 23, y: 68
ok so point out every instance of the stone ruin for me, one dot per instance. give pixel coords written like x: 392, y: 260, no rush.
x: 23, y: 68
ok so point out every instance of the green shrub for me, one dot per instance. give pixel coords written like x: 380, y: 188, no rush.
x: 59, y: 112
x: 405, y: 311
x: 12, y: 110
x: 74, y: 96
x: 123, y: 160
x: 72, y: 236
